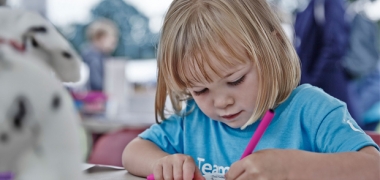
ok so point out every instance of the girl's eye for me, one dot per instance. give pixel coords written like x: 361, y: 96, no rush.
x: 239, y: 81
x: 197, y: 93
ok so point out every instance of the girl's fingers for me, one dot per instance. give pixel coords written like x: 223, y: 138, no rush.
x: 177, y: 169
x: 234, y: 175
x: 157, y: 171
x: 243, y: 176
x: 234, y: 172
x: 188, y: 169
x: 198, y: 175
x: 168, y: 171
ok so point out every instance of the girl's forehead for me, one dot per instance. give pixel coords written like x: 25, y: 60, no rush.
x: 207, y: 60
x: 206, y: 70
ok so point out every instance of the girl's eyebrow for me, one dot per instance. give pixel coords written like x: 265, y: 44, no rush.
x: 236, y: 71
x: 228, y: 75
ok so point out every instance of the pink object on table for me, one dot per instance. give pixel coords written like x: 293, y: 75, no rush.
x: 268, y: 116
x: 150, y: 177
x: 6, y: 176
x: 91, y: 96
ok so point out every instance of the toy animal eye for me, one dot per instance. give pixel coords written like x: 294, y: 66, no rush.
x: 19, y: 117
x: 56, y: 102
x: 66, y: 55
x: 34, y: 42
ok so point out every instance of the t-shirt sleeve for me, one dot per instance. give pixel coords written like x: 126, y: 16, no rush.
x: 338, y: 132
x: 168, y: 135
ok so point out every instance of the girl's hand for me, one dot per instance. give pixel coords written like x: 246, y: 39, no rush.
x: 265, y: 164
x: 176, y: 166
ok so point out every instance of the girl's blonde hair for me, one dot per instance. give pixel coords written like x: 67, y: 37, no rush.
x: 195, y: 30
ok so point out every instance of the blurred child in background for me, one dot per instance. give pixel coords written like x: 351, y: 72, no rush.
x: 102, y: 37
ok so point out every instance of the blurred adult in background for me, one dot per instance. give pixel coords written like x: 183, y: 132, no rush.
x: 102, y: 35
x: 321, y: 41
x: 361, y: 64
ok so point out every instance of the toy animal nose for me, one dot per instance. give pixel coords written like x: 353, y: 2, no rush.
x: 14, y: 44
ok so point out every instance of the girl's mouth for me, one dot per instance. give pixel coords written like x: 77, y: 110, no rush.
x: 231, y: 116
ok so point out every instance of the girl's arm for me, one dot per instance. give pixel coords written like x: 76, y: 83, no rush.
x: 296, y: 164
x: 364, y: 164
x: 139, y: 157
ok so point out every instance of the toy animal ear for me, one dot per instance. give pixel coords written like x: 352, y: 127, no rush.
x: 19, y: 112
x: 58, y: 53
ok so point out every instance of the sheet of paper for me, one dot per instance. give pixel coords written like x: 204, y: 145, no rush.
x: 216, y: 176
x: 87, y: 166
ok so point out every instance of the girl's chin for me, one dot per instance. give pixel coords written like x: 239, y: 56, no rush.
x: 234, y: 125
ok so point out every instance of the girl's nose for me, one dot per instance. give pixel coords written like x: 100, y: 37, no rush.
x: 223, y: 101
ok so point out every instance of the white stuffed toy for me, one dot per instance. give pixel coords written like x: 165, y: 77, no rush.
x: 39, y: 126
x: 27, y: 34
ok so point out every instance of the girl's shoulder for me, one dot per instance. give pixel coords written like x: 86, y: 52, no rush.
x: 310, y: 98
x: 307, y: 93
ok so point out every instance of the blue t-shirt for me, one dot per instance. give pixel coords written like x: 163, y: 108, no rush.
x: 308, y: 120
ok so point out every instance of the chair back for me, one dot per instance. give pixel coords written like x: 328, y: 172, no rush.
x: 375, y: 136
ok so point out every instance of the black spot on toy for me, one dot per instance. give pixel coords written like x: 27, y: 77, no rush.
x: 56, y: 102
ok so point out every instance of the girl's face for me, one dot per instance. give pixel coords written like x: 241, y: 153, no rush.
x: 230, y: 99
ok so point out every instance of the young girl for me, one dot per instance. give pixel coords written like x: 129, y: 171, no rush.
x: 230, y: 61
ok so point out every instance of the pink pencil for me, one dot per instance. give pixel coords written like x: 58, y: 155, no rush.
x: 150, y: 177
x: 268, y: 116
